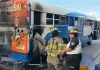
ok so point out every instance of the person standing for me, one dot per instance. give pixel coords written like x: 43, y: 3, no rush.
x: 53, y: 48
x: 73, y: 51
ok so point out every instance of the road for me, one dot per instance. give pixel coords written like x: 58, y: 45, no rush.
x: 91, y: 54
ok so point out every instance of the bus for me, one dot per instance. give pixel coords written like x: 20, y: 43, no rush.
x: 87, y: 26
x: 19, y: 21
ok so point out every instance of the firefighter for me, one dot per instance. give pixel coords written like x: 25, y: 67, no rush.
x: 73, y: 51
x: 53, y: 48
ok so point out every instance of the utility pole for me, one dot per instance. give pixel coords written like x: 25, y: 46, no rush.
x: 93, y: 15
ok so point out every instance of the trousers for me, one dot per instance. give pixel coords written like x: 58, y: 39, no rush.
x: 54, y: 61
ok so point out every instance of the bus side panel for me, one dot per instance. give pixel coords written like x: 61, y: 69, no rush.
x: 63, y: 31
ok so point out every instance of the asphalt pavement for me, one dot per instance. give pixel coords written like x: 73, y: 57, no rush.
x: 91, y: 54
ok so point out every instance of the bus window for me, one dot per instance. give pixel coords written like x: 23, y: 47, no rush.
x: 86, y: 22
x: 2, y: 37
x: 71, y: 21
x: 91, y: 22
x: 37, y: 18
x: 95, y: 26
x: 76, y: 21
x: 56, y: 22
x: 67, y: 20
x: 57, y: 16
x: 6, y: 19
x: 49, y: 15
x: 49, y: 22
x: 62, y: 20
x: 49, y: 19
x: 81, y: 21
x: 56, y: 19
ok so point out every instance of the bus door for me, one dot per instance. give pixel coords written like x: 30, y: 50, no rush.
x: 79, y: 25
x: 37, y: 23
x: 75, y: 22
x: 95, y: 32
x: 71, y: 21
x: 37, y: 18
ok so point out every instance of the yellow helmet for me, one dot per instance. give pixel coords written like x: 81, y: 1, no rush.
x: 74, y: 30
x: 54, y: 32
x: 53, y: 29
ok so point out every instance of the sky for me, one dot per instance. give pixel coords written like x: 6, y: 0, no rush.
x: 88, y: 7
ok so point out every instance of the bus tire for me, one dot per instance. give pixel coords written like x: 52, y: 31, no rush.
x: 90, y: 40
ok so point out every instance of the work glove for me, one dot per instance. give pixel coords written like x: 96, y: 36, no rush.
x: 59, y: 56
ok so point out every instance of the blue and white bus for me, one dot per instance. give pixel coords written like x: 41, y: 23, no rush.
x: 85, y: 24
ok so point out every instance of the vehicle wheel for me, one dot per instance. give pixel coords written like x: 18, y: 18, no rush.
x: 90, y: 40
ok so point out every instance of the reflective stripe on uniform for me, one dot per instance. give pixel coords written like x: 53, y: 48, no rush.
x: 51, y: 54
x: 59, y: 51
x: 54, y: 47
x: 60, y: 44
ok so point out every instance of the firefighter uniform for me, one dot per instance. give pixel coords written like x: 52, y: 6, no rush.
x: 53, y: 48
x: 74, y: 56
